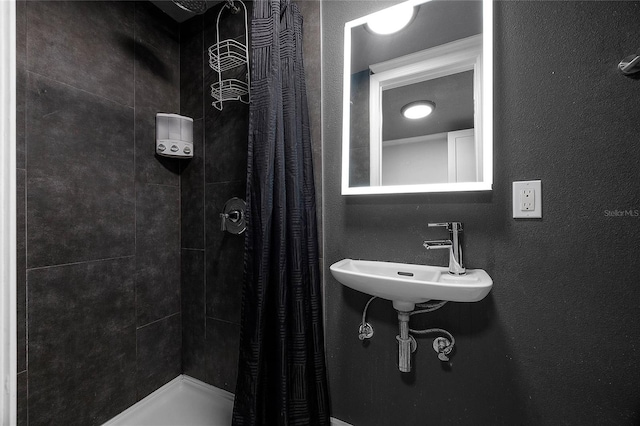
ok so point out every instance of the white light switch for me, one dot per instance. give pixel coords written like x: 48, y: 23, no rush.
x: 527, y: 199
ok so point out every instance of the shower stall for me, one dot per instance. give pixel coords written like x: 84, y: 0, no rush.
x: 125, y: 282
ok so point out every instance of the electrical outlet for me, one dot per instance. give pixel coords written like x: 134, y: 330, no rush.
x: 527, y: 199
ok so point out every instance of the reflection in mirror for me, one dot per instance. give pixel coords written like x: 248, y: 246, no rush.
x: 437, y: 60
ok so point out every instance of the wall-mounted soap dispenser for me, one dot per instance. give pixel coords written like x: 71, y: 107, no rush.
x: 174, y: 135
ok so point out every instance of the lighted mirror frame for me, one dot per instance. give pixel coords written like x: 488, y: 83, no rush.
x: 483, y: 117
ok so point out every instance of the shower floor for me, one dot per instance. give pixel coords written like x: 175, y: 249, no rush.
x: 184, y: 401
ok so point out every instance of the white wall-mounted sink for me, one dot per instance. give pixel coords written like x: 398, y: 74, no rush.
x: 406, y: 284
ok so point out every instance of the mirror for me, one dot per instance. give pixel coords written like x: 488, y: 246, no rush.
x: 440, y: 61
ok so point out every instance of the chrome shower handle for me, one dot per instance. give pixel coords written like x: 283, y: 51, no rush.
x: 223, y: 221
x: 233, y: 216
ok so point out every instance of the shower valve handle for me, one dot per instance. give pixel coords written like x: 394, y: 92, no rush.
x: 233, y: 216
x: 223, y: 221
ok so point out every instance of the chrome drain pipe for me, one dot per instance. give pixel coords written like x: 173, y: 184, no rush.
x: 406, y: 343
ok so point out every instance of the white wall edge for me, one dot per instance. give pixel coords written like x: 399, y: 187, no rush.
x: 8, y: 333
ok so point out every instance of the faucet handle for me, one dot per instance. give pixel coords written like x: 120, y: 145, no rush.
x: 458, y: 226
x: 439, y: 224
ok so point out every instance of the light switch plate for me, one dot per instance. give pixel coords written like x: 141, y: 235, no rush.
x: 527, y: 199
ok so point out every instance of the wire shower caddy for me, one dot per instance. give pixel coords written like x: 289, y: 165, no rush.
x: 227, y: 55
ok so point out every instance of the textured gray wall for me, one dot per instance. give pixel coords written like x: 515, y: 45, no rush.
x: 99, y: 232
x: 557, y: 341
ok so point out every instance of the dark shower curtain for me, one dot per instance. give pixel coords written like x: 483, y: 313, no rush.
x: 281, y: 372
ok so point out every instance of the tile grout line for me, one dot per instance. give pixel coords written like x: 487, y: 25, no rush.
x: 180, y: 169
x: 135, y: 210
x: 106, y: 259
x: 83, y: 90
x: 157, y: 321
x: 224, y: 182
x: 26, y: 164
x: 203, y: 139
x: 161, y: 184
x: 222, y: 320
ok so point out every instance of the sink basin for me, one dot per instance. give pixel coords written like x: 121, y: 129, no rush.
x: 407, y: 284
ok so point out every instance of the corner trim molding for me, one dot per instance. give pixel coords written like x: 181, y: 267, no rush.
x: 8, y: 333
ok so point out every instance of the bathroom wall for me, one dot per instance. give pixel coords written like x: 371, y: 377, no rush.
x: 212, y: 260
x: 556, y: 341
x: 98, y: 212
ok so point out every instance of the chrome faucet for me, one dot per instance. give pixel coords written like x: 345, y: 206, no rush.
x: 454, y: 244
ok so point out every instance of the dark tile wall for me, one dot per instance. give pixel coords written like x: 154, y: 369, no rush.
x: 212, y: 261
x: 159, y: 350
x: 157, y: 252
x: 82, y: 341
x: 192, y: 202
x: 69, y: 218
x: 536, y: 351
x: 194, y: 354
x: 98, y: 212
